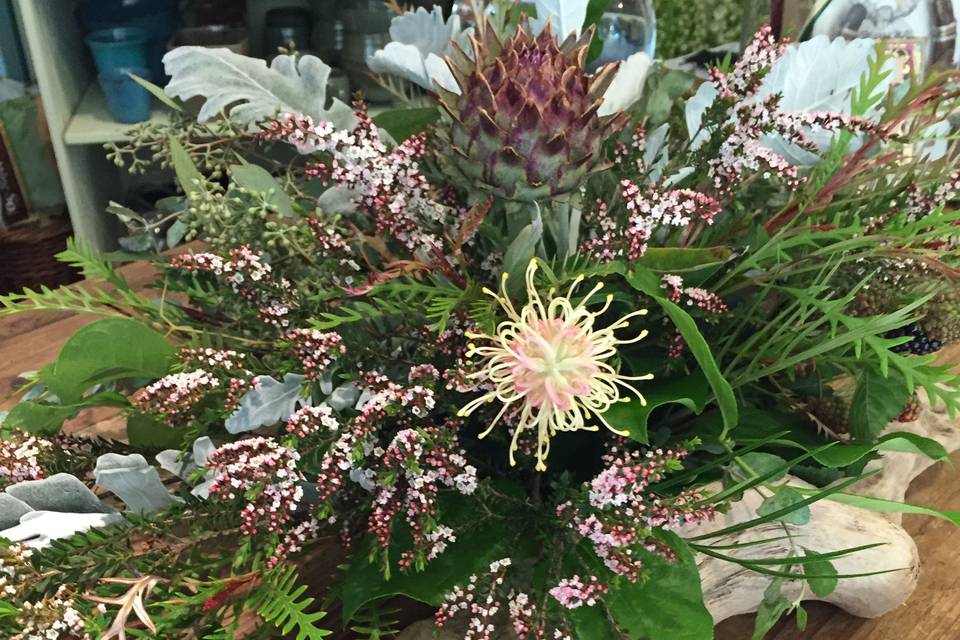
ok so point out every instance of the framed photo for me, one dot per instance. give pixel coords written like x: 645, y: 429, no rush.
x: 13, y: 201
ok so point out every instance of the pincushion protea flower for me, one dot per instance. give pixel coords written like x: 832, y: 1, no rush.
x: 526, y: 123
x: 551, y: 361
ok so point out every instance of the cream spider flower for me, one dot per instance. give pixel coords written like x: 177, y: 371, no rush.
x: 551, y: 361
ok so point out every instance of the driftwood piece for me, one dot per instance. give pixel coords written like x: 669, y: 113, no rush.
x: 730, y: 590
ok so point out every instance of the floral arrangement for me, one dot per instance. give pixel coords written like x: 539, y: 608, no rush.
x: 496, y: 351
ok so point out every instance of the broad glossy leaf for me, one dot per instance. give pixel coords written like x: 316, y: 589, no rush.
x: 44, y: 418
x: 479, y: 542
x: 106, y: 350
x: 690, y: 391
x: 147, y: 433
x: 679, y: 260
x: 648, y: 283
x: 670, y: 599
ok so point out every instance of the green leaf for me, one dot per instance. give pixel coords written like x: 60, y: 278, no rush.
x: 772, y: 608
x: 756, y: 424
x: 762, y: 464
x: 877, y: 400
x: 591, y: 623
x: 403, y: 123
x: 105, y: 350
x: 669, y: 599
x: 888, y: 506
x: 690, y: 391
x: 35, y: 417
x: 822, y: 574
x: 479, y: 542
x: 519, y: 254
x: 257, y: 179
x: 7, y: 610
x: 188, y: 176
x: 677, y: 260
x: 146, y: 432
x: 784, y: 497
x: 647, y: 282
x: 44, y: 418
x: 157, y: 92
x: 175, y: 233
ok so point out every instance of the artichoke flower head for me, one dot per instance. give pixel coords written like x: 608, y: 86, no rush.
x: 525, y: 126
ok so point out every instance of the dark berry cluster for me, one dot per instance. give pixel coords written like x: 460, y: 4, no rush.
x: 920, y: 345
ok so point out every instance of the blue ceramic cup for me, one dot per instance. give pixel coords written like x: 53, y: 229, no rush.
x: 127, y: 101
x: 119, y: 48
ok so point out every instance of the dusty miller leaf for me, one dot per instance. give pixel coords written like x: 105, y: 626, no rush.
x: 249, y: 91
x: 268, y: 403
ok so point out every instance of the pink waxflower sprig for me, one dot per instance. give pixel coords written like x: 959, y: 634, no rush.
x: 21, y: 457
x: 175, y: 398
x: 403, y: 473
x: 264, y: 474
x: 250, y: 277
x: 752, y: 117
x: 316, y: 350
x: 620, y: 513
x: 647, y: 209
x: 488, y: 598
x: 386, y: 183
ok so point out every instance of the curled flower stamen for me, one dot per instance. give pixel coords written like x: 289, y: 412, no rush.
x: 550, y: 360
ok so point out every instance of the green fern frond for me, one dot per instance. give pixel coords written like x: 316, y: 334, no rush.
x: 376, y: 623
x: 280, y: 602
x: 437, y: 301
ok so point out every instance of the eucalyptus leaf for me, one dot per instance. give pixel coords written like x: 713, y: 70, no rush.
x: 269, y: 402
x: 157, y: 92
x: 188, y: 176
x: 257, y: 179
x: 249, y: 91
x: 175, y: 233
x: 772, y: 607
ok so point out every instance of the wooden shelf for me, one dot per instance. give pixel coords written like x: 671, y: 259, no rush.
x: 92, y: 123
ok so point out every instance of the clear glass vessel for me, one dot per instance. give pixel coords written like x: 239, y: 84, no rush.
x: 628, y: 26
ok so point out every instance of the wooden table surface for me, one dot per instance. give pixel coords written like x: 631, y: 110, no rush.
x: 31, y: 340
